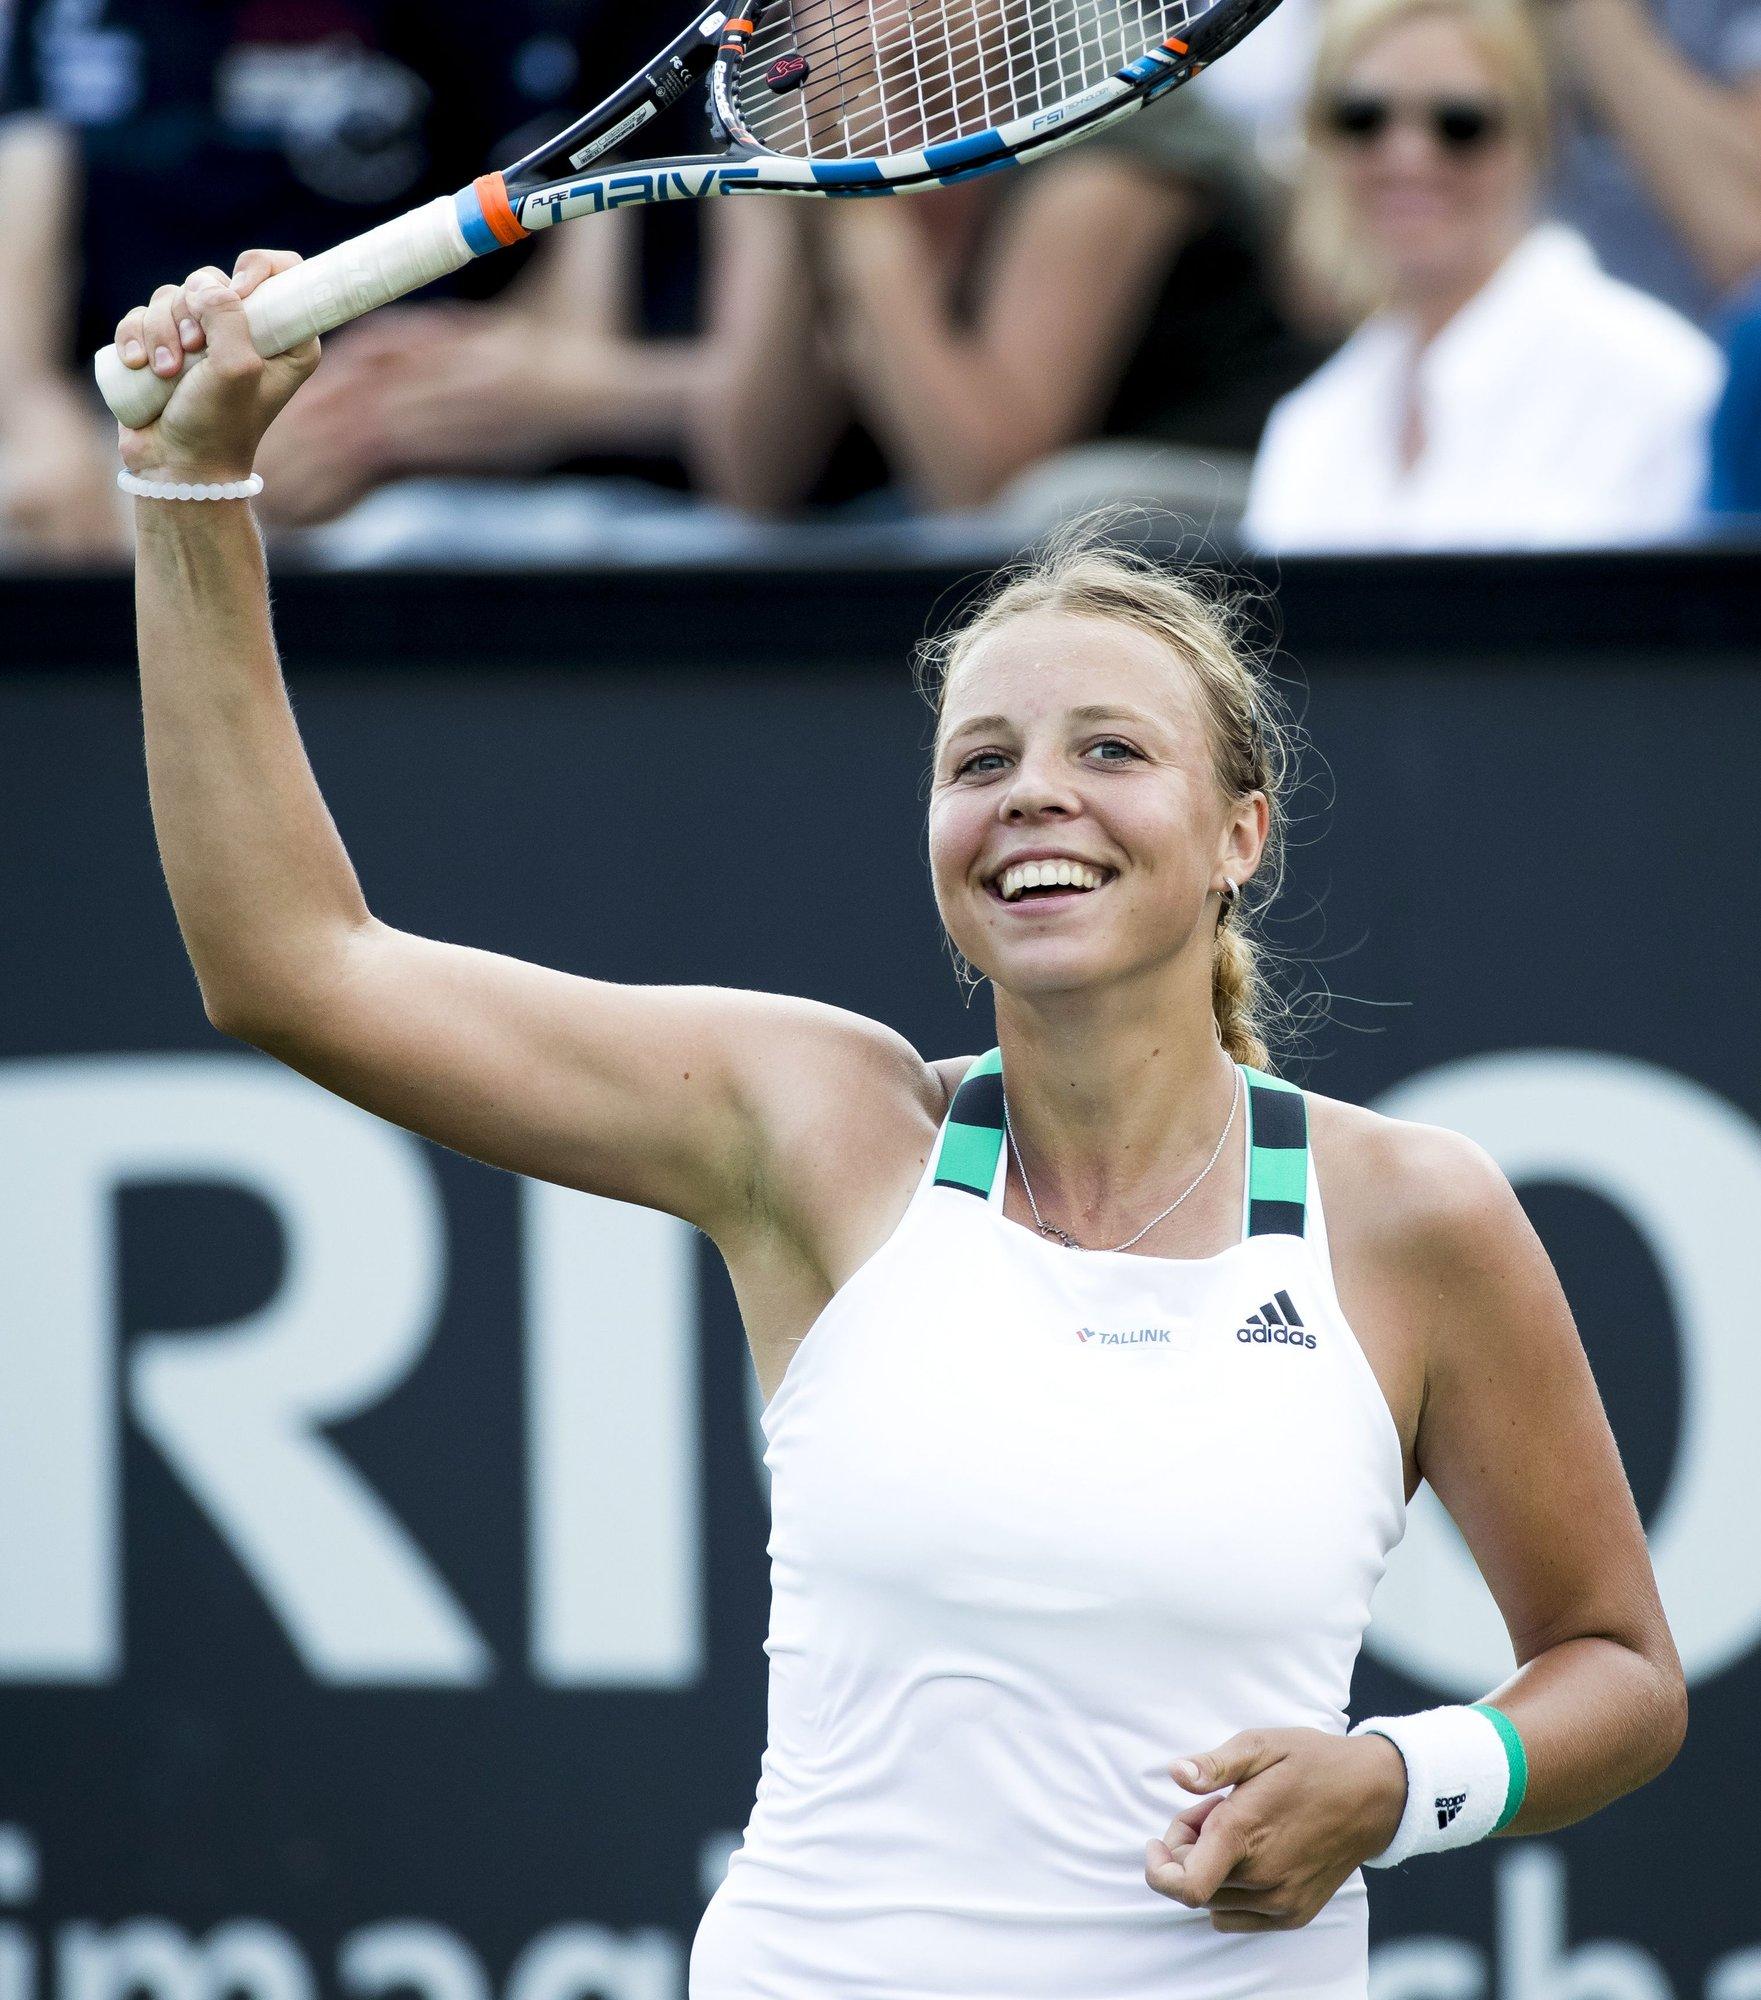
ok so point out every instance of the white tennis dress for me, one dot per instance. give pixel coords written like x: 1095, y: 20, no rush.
x: 1044, y: 1520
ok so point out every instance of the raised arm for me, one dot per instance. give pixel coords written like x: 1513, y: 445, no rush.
x: 667, y: 1096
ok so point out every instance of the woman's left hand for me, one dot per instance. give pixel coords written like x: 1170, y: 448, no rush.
x: 1306, y: 1808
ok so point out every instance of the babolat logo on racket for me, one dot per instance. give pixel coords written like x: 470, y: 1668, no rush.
x: 787, y: 73
x: 1277, y: 1323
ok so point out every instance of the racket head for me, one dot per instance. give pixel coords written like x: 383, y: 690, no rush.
x: 889, y: 86
x: 863, y: 97
x: 804, y: 92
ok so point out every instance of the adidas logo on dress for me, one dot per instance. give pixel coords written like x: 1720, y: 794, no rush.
x: 1447, y: 1809
x: 1277, y: 1323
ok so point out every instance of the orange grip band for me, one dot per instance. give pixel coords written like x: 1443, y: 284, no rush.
x: 492, y: 191
x: 736, y: 27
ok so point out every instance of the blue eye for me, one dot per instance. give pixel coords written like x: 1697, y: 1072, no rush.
x: 1115, y: 742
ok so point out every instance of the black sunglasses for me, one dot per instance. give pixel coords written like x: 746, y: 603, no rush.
x: 1458, y: 124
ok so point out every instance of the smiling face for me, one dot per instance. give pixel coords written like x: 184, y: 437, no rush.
x: 1436, y: 219
x: 1082, y: 740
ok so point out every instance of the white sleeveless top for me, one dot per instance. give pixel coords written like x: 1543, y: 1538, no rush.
x: 1044, y: 1520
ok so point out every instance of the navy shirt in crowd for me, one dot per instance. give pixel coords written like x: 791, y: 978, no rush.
x: 206, y: 126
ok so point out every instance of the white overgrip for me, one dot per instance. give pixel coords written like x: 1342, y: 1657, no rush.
x: 325, y: 291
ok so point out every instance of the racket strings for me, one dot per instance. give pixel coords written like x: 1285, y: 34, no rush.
x: 891, y: 76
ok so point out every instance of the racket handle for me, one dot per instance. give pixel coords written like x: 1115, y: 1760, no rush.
x: 337, y: 285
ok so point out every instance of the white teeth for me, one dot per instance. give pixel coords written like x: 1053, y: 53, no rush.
x: 1048, y: 874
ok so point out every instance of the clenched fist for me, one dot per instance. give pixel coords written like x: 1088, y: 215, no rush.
x: 218, y: 412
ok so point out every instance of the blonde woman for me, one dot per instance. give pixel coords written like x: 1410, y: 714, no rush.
x: 1099, y: 1367
x: 1502, y: 391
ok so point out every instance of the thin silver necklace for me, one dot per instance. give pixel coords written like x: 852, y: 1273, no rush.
x: 1063, y: 1235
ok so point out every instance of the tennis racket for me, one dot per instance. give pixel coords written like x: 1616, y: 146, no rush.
x: 806, y: 97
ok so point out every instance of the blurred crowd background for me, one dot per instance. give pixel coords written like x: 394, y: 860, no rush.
x: 1395, y: 275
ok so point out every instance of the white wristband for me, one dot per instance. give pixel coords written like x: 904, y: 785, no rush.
x: 1466, y: 1774
x: 183, y: 489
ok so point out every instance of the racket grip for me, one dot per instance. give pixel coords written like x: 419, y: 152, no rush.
x: 326, y: 291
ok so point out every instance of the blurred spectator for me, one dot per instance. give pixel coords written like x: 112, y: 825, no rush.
x: 1505, y: 392
x: 140, y: 138
x: 1735, y: 484
x: 57, y: 459
x: 1660, y: 151
x: 587, y: 362
x: 948, y: 342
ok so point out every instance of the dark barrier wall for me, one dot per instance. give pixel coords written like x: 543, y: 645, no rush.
x: 382, y: 1575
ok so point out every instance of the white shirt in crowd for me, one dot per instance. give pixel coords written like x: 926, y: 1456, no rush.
x: 1559, y: 407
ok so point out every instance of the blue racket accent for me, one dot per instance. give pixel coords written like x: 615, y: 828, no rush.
x: 957, y: 153
x: 476, y: 231
x: 850, y: 173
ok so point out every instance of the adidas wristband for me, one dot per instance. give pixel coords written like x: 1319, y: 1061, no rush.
x: 1466, y: 1774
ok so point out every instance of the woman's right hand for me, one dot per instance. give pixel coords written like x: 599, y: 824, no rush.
x: 217, y: 413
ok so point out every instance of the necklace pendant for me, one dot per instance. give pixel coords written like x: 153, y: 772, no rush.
x: 1063, y: 1235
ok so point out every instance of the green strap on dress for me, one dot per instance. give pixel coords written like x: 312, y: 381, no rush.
x: 1278, y: 1169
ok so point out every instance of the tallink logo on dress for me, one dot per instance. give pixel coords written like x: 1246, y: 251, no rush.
x: 1134, y: 1336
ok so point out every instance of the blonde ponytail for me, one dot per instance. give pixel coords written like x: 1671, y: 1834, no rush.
x: 1235, y: 997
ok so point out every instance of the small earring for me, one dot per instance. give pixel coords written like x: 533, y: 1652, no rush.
x: 1228, y: 892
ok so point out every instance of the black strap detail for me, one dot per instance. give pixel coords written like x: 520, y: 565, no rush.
x: 972, y: 1137
x: 979, y: 1101
x: 1277, y: 1158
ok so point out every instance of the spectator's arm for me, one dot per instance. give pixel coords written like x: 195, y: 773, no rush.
x: 38, y: 257
x: 960, y: 410
x: 576, y: 312
x: 551, y: 368
x: 584, y: 276
x: 772, y: 408
x: 1694, y: 139
x: 57, y: 456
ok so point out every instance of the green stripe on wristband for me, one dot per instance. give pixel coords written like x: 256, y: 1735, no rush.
x: 1518, y: 1760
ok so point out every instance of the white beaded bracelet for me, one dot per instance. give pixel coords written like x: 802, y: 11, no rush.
x: 183, y: 489
x: 1466, y: 1774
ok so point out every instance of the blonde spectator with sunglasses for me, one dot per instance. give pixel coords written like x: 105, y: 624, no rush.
x: 1500, y: 390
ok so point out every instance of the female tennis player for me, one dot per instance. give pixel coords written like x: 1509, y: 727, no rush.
x: 1100, y: 1368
